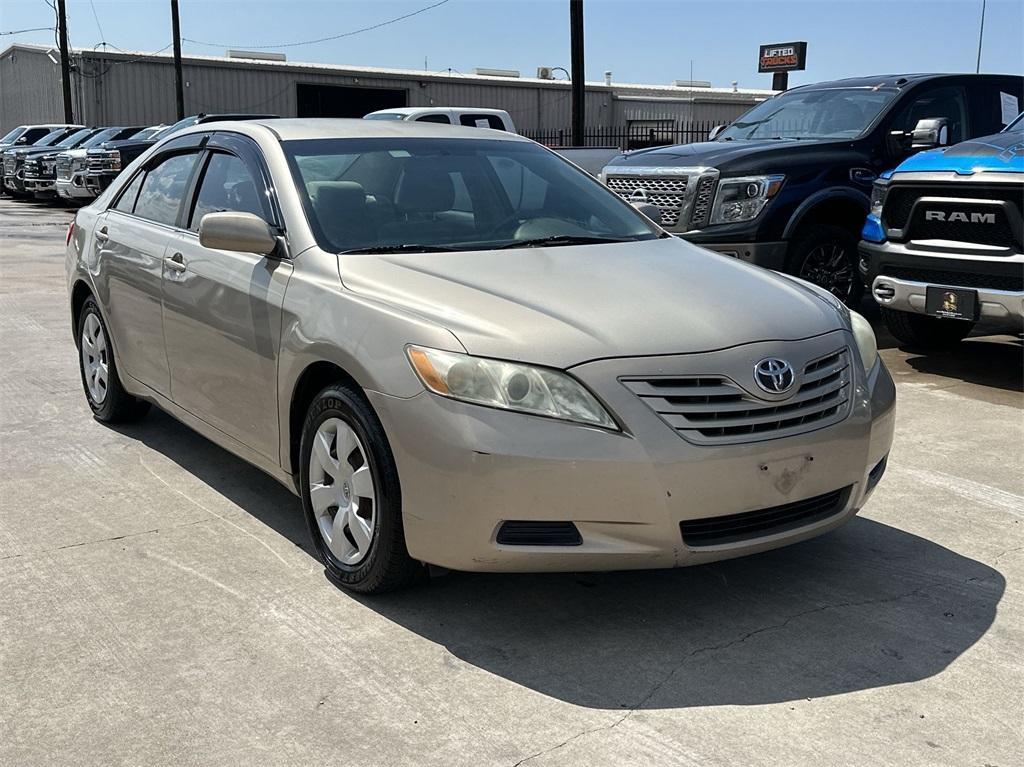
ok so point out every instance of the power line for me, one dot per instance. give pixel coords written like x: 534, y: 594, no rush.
x: 97, y: 19
x: 320, y: 39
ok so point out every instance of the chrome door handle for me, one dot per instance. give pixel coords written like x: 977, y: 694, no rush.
x: 176, y: 262
x: 102, y: 235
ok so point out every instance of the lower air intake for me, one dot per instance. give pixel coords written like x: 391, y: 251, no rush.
x: 529, y: 533
x: 734, y: 528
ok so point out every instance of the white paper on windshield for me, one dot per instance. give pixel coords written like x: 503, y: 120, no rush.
x: 485, y: 124
x: 1010, y: 107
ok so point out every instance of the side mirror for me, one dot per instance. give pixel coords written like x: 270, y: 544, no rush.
x: 652, y: 212
x: 240, y: 232
x: 715, y: 131
x: 930, y: 133
x: 22, y: 140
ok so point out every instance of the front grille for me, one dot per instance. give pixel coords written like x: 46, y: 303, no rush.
x: 532, y: 533
x: 750, y: 525
x: 702, y: 202
x: 712, y: 410
x: 666, y: 192
x: 1000, y: 233
x: 100, y: 164
x: 31, y: 167
x: 1013, y: 282
x: 900, y: 201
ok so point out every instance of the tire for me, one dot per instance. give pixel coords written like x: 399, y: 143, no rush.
x: 109, y: 402
x: 351, y: 494
x: 827, y: 256
x: 922, y: 332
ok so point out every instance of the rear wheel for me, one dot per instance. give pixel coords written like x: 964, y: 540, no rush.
x: 827, y: 256
x: 918, y: 330
x: 351, y: 494
x: 109, y: 401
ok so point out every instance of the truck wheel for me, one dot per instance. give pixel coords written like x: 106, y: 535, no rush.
x: 827, y: 256
x: 918, y: 330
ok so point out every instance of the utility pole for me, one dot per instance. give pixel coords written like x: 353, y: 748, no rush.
x: 577, y: 77
x: 981, y: 34
x: 65, y: 61
x: 179, y: 83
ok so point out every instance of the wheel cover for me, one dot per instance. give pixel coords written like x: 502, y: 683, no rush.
x: 829, y: 266
x: 95, y: 358
x: 342, y: 491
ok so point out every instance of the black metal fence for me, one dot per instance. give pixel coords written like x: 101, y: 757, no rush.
x: 628, y: 137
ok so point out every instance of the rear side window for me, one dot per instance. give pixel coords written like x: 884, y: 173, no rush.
x: 482, y: 121
x: 227, y: 185
x: 993, y: 105
x: 443, y: 119
x: 163, y: 189
x: 126, y: 201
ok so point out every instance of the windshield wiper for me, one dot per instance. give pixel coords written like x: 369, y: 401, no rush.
x: 408, y: 247
x: 563, y: 239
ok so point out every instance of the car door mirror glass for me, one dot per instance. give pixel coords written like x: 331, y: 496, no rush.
x: 930, y: 133
x: 236, y: 231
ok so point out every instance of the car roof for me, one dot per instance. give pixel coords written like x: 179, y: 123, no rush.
x: 328, y: 127
x: 891, y: 81
x: 415, y: 110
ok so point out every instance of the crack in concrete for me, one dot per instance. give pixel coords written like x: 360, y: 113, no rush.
x: 102, y: 540
x: 919, y: 591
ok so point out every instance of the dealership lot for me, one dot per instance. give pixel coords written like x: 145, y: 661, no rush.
x: 161, y: 605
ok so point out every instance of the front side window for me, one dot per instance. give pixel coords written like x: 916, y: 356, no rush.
x: 442, y: 119
x: 227, y: 185
x: 946, y: 101
x: 126, y: 201
x: 829, y: 113
x: 431, y: 194
x: 163, y: 189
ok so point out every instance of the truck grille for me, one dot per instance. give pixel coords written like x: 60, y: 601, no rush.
x: 9, y: 165
x: 702, y: 202
x: 749, y: 525
x: 1012, y: 282
x: 100, y: 164
x: 899, y: 213
x: 712, y: 410
x: 667, y: 192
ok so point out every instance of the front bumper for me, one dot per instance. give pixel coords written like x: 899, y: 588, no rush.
x: 97, y: 182
x: 465, y: 470
x: 73, y: 187
x: 900, y: 275
x: 44, y: 186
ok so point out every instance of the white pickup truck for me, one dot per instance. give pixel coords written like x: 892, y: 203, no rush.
x: 472, y: 117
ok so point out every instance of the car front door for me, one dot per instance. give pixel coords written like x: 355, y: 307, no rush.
x: 222, y: 309
x: 131, y: 240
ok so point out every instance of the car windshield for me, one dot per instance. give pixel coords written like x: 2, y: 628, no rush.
x: 188, y: 122
x: 146, y: 133
x: 104, y: 135
x: 74, y: 138
x: 12, y: 136
x: 1017, y: 126
x: 386, y: 116
x: 420, y: 194
x: 49, y: 138
x: 835, y: 113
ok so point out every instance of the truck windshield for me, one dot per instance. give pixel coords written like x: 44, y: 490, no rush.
x: 385, y: 116
x: 833, y: 113
x: 422, y: 195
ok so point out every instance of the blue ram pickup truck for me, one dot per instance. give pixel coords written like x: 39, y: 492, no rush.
x: 943, y: 246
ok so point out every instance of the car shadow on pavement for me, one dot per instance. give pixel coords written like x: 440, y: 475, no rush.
x: 866, y: 606
x: 977, y: 360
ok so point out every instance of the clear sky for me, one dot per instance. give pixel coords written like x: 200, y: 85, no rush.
x: 648, y: 41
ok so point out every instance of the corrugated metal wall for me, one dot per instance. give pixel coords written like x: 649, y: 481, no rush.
x: 29, y: 90
x: 111, y: 90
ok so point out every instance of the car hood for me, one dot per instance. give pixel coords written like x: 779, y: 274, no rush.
x: 1003, y: 152
x: 567, y: 305
x: 731, y: 156
x: 33, y: 150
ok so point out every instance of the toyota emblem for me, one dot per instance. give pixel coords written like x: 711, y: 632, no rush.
x: 773, y: 375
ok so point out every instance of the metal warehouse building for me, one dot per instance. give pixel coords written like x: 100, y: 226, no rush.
x: 124, y: 88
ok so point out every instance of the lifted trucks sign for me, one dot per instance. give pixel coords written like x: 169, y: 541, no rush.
x: 782, y: 57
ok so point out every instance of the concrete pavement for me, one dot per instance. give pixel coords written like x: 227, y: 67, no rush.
x: 159, y: 605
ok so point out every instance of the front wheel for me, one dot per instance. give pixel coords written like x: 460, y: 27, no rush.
x: 826, y: 256
x: 351, y: 495
x: 923, y: 332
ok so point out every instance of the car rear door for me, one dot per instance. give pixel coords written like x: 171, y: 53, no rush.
x: 130, y: 241
x: 222, y: 309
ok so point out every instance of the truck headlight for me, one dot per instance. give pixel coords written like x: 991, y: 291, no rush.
x: 507, y: 385
x: 742, y: 198
x: 864, y: 337
x: 878, y: 192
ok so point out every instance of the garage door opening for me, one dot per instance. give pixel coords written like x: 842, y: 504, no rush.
x: 345, y: 101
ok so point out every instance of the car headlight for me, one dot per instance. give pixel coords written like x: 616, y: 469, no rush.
x: 743, y: 198
x: 507, y: 385
x: 878, y: 191
x: 864, y: 337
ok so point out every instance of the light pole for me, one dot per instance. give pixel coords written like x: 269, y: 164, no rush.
x: 981, y: 35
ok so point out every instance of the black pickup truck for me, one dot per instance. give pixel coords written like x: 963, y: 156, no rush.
x: 104, y: 163
x: 788, y: 184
